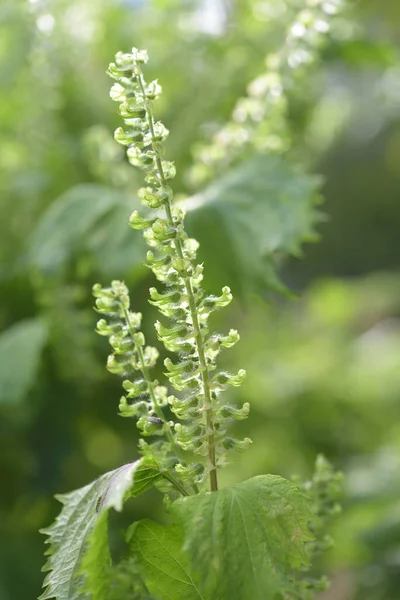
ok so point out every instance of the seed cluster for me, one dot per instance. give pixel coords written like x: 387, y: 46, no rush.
x: 202, y: 417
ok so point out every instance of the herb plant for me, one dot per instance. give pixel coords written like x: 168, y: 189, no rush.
x: 252, y: 540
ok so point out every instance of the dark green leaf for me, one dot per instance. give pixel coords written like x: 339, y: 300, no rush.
x: 21, y: 346
x: 245, y: 540
x: 251, y: 218
x: 88, y: 217
x: 165, y: 568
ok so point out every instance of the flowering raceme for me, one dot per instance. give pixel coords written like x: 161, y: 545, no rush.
x: 202, y: 415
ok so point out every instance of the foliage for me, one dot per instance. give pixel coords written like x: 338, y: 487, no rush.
x: 251, y: 535
x: 157, y: 550
x: 20, y: 344
x: 244, y: 540
x: 82, y: 523
x: 319, y: 370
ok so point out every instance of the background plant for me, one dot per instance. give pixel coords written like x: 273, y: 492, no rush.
x: 52, y: 434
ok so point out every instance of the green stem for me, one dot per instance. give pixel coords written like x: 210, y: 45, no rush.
x: 207, y: 406
x: 175, y: 482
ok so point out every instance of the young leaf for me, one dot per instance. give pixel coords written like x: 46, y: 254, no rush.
x: 254, y: 215
x: 245, y: 540
x: 82, y: 510
x: 157, y: 550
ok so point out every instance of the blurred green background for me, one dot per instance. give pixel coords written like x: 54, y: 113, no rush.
x: 323, y: 369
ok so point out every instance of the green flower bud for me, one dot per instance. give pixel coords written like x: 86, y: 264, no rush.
x: 105, y: 328
x: 193, y: 472
x: 212, y: 302
x: 224, y: 378
x: 130, y: 110
x: 116, y: 72
x: 119, y: 365
x: 171, y: 333
x: 107, y: 306
x: 135, y: 388
x: 138, y: 158
x: 137, y: 222
x: 197, y: 276
x: 128, y: 137
x: 138, y: 338
x: 183, y: 367
x: 165, y: 194
x: 124, y: 61
x: 140, y: 56
x: 118, y: 93
x: 230, y: 443
x: 135, y: 319
x: 229, y: 411
x: 132, y: 410
x: 153, y: 90
x: 169, y: 169
x: 161, y: 394
x: 150, y: 356
x: 182, y: 266
x: 180, y: 383
x: 122, y: 345
x: 151, y: 426
x: 190, y: 247
x: 163, y: 231
x: 161, y: 133
x: 184, y: 408
x: 157, y: 261
x: 157, y: 299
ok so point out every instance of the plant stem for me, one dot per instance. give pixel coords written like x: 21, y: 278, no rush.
x: 207, y: 405
x: 175, y: 482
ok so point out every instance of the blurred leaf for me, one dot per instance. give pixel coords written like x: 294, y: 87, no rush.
x: 250, y: 219
x: 88, y: 217
x: 21, y: 347
x: 79, y: 528
x: 263, y: 522
x: 364, y: 52
x: 165, y: 569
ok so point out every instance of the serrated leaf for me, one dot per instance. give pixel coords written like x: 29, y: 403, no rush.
x: 21, y: 347
x: 245, y: 540
x: 97, y: 560
x: 90, y: 218
x: 157, y: 550
x: 82, y: 509
x: 250, y: 219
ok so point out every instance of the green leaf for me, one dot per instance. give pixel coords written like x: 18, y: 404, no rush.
x: 250, y: 219
x: 97, y: 560
x: 157, y: 550
x: 245, y: 540
x: 21, y: 347
x: 360, y: 52
x: 90, y: 218
x: 70, y: 536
